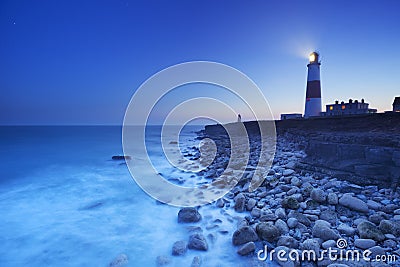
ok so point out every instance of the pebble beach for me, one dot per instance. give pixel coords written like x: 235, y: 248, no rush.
x: 296, y: 210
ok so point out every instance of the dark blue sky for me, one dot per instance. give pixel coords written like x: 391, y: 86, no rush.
x: 79, y: 62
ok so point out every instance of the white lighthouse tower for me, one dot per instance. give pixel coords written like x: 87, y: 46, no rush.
x: 313, y: 94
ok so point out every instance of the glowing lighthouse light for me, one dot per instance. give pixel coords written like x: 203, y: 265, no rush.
x: 312, y: 57
x: 313, y: 95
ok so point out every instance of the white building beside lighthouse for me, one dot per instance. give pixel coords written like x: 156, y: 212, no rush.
x: 313, y: 105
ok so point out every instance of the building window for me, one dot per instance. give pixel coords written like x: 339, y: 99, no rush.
x: 343, y: 106
x: 330, y: 107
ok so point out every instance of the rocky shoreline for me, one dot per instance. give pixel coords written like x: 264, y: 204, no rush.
x: 298, y: 210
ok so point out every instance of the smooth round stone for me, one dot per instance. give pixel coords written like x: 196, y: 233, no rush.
x: 256, y: 212
x: 197, y: 242
x: 347, y: 230
x: 353, y: 203
x: 313, y: 212
x: 244, y: 235
x: 364, y: 243
x: 332, y: 199
x: 179, y: 248
x: 303, y: 205
x: 280, y: 213
x: 268, y: 217
x: 360, y: 220
x: 188, y: 215
x: 312, y: 217
x: 390, y: 243
x: 282, y: 226
x: 295, y: 181
x: 373, y: 205
x: 329, y: 244
x: 288, y: 172
x: 291, y: 191
x: 390, y: 236
x: 251, y: 204
x: 247, y: 248
x: 318, y: 195
x: 322, y: 229
x: 292, y: 222
x: 377, y: 250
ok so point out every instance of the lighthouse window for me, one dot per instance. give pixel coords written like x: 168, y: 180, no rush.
x: 343, y: 106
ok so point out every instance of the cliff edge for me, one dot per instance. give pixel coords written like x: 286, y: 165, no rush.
x: 361, y: 149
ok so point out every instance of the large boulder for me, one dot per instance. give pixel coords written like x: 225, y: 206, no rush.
x: 368, y: 230
x: 353, y: 203
x: 188, y: 215
x: 197, y: 242
x: 244, y: 235
x: 267, y: 231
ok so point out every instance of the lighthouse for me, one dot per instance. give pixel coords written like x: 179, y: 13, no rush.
x: 313, y: 93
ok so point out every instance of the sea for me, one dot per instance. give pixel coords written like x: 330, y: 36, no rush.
x: 65, y: 202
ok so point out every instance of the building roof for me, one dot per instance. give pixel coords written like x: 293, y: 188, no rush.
x: 396, y: 101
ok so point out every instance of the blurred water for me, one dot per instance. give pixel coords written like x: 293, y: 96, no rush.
x: 64, y: 202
